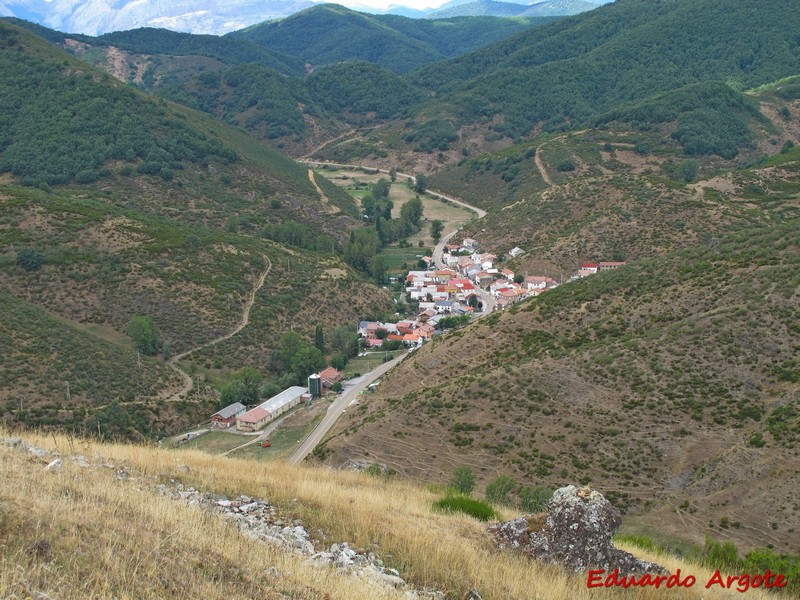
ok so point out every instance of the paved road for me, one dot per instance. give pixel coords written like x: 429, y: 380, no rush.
x: 350, y: 393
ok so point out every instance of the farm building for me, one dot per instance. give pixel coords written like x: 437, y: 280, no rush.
x: 330, y: 376
x: 227, y: 416
x: 265, y: 412
x: 253, y: 420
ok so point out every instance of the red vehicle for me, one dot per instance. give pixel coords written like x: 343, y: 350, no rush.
x: 266, y: 444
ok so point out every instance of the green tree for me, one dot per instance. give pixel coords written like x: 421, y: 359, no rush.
x: 252, y: 381
x: 233, y: 391
x: 144, y: 333
x: 29, y: 259
x: 339, y: 362
x: 688, y: 169
x: 393, y: 174
x: 420, y: 183
x: 377, y: 268
x: 281, y: 358
x: 497, y: 490
x: 380, y: 189
x: 319, y: 339
x: 361, y: 247
x: 307, y: 360
x: 411, y: 215
x: 463, y: 480
x: 344, y: 339
x: 437, y: 227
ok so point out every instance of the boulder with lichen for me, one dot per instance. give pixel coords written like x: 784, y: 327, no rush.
x: 575, y: 533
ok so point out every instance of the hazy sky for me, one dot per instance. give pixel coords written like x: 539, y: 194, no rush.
x: 385, y: 4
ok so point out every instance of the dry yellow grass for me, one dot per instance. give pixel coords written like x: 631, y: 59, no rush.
x: 121, y: 539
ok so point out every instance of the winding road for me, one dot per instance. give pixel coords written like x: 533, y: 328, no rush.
x: 243, y: 322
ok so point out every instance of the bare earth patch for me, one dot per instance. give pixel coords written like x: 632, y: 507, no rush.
x: 333, y: 274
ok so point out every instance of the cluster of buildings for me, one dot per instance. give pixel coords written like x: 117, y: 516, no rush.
x: 237, y: 415
x: 446, y: 292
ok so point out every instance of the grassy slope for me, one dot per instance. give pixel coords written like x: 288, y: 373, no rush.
x: 178, y: 247
x: 655, y: 382
x: 625, y: 197
x: 165, y: 549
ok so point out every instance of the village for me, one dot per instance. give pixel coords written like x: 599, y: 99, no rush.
x: 447, y: 295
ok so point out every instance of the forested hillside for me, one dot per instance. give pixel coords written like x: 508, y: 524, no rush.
x: 330, y: 33
x: 564, y: 72
x: 132, y: 223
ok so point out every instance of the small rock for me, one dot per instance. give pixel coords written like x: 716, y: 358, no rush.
x: 38, y: 452
x: 224, y: 503
x: 81, y: 461
x: 473, y: 595
x: 54, y: 466
x: 390, y: 580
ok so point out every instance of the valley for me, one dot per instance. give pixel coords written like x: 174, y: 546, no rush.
x: 475, y: 258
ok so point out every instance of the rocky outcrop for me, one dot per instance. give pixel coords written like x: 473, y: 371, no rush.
x: 575, y: 533
x: 257, y: 519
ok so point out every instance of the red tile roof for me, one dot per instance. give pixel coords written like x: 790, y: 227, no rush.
x: 254, y: 416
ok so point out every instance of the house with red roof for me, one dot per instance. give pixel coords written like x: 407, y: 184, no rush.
x: 330, y: 376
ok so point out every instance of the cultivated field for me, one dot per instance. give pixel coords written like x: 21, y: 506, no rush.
x: 357, y: 182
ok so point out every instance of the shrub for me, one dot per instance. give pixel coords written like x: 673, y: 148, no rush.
x: 498, y: 490
x: 463, y: 480
x: 29, y: 259
x: 566, y: 165
x: 534, y: 500
x: 464, y: 504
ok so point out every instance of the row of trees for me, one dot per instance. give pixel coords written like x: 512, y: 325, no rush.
x: 362, y: 249
x: 292, y: 362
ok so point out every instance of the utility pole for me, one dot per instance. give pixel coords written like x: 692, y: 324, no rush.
x: 138, y: 359
x: 69, y: 399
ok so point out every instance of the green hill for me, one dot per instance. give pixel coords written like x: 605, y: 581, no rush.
x: 65, y: 123
x: 359, y: 87
x: 331, y: 33
x: 564, y: 72
x: 118, y: 205
x: 153, y: 41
